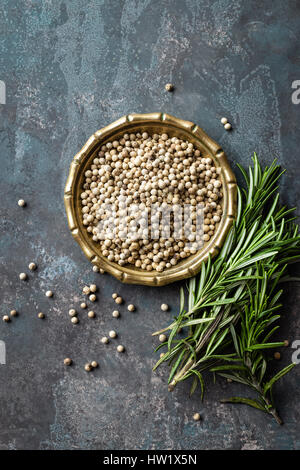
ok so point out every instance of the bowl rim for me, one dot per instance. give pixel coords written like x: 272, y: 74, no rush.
x: 188, y: 266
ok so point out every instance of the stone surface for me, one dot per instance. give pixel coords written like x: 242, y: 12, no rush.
x: 71, y: 67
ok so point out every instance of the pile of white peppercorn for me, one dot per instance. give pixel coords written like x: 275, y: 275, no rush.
x: 145, y: 171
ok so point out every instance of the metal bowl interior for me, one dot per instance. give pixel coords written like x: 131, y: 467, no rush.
x: 151, y: 123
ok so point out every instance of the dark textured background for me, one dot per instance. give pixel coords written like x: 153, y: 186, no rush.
x: 71, y: 67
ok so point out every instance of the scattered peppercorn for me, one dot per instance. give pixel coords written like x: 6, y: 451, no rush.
x: 119, y: 300
x: 116, y: 314
x: 68, y: 361
x: 104, y: 340
x: 95, y: 269
x: 162, y: 338
x: 286, y: 343
x: 227, y: 126
x: 131, y: 308
x: 92, y: 297
x: 224, y: 120
x: 164, y: 307
x: 49, y: 293
x: 93, y: 288
x: 72, y: 312
x: 13, y: 313
x: 120, y: 348
x: 91, y: 314
x: 114, y: 295
x: 83, y: 305
x: 88, y: 367
x: 6, y: 318
x: 74, y: 320
x: 169, y: 87
x: 86, y: 290
x: 21, y: 203
x: 41, y: 315
x: 32, y: 266
x: 94, y: 364
x: 112, y: 334
x: 277, y: 356
x: 196, y: 417
x: 23, y: 276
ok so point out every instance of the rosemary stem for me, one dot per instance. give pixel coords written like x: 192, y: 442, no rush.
x: 191, y: 363
x: 256, y: 385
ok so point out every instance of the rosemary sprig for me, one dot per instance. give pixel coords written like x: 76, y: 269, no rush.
x: 256, y: 253
x: 248, y: 365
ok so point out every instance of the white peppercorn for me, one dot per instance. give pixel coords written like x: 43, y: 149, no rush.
x: 162, y: 338
x: 49, y: 293
x: 23, y: 276
x: 164, y: 307
x: 32, y: 266
x: 67, y: 361
x: 116, y: 314
x: 131, y: 308
x: 120, y: 348
x: 112, y: 334
x: 21, y: 203
x: 169, y: 87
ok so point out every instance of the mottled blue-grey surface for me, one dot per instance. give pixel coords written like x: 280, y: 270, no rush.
x: 71, y: 67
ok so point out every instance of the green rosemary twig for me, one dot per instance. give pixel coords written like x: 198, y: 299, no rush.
x: 263, y: 241
x: 248, y: 365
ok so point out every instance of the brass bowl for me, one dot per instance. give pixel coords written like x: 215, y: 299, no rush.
x: 151, y: 123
